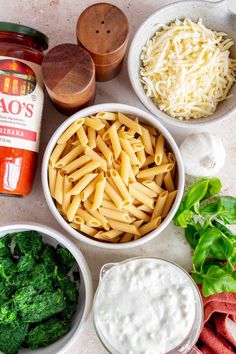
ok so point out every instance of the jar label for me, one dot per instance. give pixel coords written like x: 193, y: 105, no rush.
x: 21, y: 103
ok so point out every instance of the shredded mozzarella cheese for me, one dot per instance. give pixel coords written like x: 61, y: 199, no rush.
x: 187, y: 70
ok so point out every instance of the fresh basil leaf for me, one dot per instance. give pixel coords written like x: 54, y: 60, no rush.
x: 222, y: 248
x: 184, y: 218
x: 214, y: 187
x: 209, y: 209
x: 197, y: 277
x: 192, y: 235
x: 227, y: 211
x: 196, y: 193
x: 217, y: 281
x: 225, y: 230
x: 204, y: 246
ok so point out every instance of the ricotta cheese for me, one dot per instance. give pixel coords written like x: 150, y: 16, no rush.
x: 144, y: 306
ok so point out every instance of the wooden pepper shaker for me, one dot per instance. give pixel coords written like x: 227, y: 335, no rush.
x: 69, y: 77
x: 102, y: 29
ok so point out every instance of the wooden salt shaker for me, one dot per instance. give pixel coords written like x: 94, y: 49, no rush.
x: 102, y: 29
x: 69, y: 77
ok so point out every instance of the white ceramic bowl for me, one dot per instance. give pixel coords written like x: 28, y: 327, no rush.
x: 85, y: 299
x: 144, y: 117
x: 216, y: 16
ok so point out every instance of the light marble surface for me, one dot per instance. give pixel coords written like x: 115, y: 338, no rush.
x: 57, y: 19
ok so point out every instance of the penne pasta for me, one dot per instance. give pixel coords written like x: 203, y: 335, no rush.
x: 55, y: 155
x: 114, y: 140
x: 143, y: 189
x: 120, y: 185
x: 149, y: 160
x: 130, y: 123
x: 58, y: 192
x: 94, y: 123
x: 151, y: 225
x: 105, y: 150
x: 86, y: 193
x: 88, y: 218
x: 141, y: 156
x: 92, y: 138
x: 83, y: 182
x: 125, y: 167
x: 104, y: 222
x: 126, y: 237
x: 137, y: 213
x: 89, y: 167
x: 159, y: 179
x: 135, y: 193
x: 168, y: 204
x: 69, y: 157
x: 159, y: 204
x: 98, y: 195
x: 155, y: 170
x: 82, y: 136
x: 115, y: 214
x: 159, y: 150
x: 111, y: 177
x: 169, y: 182
x: 52, y: 176
x: 113, y: 195
x: 73, y: 207
x: 153, y: 186
x: 121, y: 226
x: 96, y: 157
x: 146, y: 139
x: 106, y: 115
x: 75, y: 164
x: 71, y: 130
x: 88, y: 230
x: 66, y: 197
x: 129, y: 151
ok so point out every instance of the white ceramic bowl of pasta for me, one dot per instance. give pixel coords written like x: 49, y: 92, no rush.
x: 215, y: 16
x: 85, y: 299
x: 144, y: 117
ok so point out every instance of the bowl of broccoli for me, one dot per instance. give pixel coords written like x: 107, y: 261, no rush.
x: 45, y: 290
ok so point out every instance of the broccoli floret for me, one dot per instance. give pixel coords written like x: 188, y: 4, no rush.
x: 46, y: 333
x: 34, y: 308
x: 65, y: 258
x: 26, y: 263
x: 12, y: 336
x: 29, y: 242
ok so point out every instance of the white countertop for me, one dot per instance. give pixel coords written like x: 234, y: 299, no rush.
x: 57, y: 19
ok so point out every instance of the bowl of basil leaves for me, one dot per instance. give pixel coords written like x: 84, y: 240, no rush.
x: 45, y: 290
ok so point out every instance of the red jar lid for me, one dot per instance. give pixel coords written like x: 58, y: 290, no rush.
x: 17, y: 28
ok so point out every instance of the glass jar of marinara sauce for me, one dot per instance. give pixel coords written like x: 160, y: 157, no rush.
x: 21, y: 104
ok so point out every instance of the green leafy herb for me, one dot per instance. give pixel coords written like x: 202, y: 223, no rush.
x: 204, y: 216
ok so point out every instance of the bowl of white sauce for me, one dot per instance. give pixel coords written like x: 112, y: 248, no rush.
x: 147, y: 306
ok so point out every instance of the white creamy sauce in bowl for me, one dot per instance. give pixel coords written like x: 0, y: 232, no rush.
x: 144, y: 306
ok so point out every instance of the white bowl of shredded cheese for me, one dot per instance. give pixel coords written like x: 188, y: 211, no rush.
x: 182, y: 63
